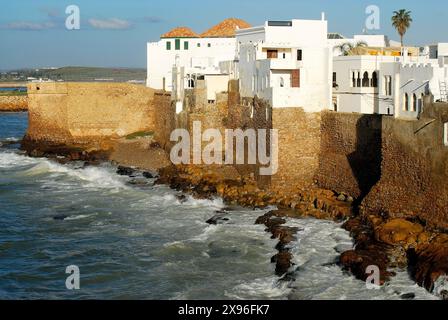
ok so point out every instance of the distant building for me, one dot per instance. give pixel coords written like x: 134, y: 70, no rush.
x: 335, y: 40
x: 388, y: 83
x: 197, y: 54
x: 287, y: 63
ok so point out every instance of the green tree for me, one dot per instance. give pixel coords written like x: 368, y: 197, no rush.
x: 349, y: 49
x: 401, y: 21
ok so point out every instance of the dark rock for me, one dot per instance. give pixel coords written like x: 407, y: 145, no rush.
x: 216, y: 219
x: 35, y: 153
x: 408, y: 296
x: 138, y: 182
x: 125, y: 171
x: 148, y: 175
x: 60, y: 217
x: 282, y: 262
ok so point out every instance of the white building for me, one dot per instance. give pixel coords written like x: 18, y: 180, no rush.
x: 356, y: 84
x: 377, y: 41
x: 287, y: 63
x: 389, y: 85
x: 197, y: 54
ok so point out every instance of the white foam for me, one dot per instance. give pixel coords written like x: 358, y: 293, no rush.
x: 441, y: 286
x: 261, y: 288
x: 11, y: 159
x: 318, y: 277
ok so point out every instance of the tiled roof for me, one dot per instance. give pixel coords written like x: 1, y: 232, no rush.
x: 226, y: 28
x: 180, y: 32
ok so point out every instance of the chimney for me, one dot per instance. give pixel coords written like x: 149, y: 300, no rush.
x: 323, y: 16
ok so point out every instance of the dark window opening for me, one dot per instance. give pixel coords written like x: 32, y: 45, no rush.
x: 272, y: 54
x: 374, y: 80
x: 365, y: 80
x: 299, y: 55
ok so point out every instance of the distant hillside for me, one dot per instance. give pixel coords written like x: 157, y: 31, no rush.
x: 79, y: 74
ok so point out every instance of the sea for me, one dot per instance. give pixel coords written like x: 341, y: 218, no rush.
x: 131, y: 239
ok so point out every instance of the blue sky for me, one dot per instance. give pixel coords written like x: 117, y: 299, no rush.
x: 114, y: 32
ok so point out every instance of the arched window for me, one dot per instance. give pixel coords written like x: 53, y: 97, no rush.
x: 374, y: 80
x: 406, y: 102
x: 365, y: 79
x: 414, y: 102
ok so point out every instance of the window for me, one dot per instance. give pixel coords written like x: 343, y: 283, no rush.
x: 272, y: 54
x: 334, y: 79
x: 358, y: 80
x: 406, y: 102
x: 198, y: 45
x: 209, y: 45
x: 299, y: 55
x: 353, y: 79
x: 168, y: 45
x: 445, y: 134
x: 177, y: 44
x: 366, y: 80
x: 387, y: 85
x: 284, y: 55
x: 185, y: 45
x: 414, y: 102
x: 295, y: 78
x: 282, y: 82
x: 374, y: 80
x: 390, y: 85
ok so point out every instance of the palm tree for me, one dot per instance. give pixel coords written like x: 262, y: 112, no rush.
x: 401, y: 20
x: 348, y: 48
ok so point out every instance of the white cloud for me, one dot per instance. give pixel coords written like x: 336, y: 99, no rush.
x: 23, y: 25
x: 112, y: 23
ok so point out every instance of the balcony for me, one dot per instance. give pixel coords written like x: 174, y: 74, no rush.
x: 284, y: 64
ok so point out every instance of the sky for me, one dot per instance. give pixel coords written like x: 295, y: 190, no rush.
x: 114, y: 33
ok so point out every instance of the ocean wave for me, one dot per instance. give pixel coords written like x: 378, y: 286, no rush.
x: 261, y: 288
x: 10, y: 159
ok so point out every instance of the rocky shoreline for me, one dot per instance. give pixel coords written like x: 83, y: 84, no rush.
x: 13, y: 103
x: 379, y: 240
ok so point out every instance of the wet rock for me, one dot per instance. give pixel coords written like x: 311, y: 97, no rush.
x: 60, y: 217
x: 148, y: 175
x: 408, y: 296
x: 181, y: 197
x: 125, y: 171
x: 368, y: 251
x: 138, y: 182
x: 399, y: 232
x: 431, y: 262
x: 35, y: 153
x: 218, y: 218
x: 282, y: 262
